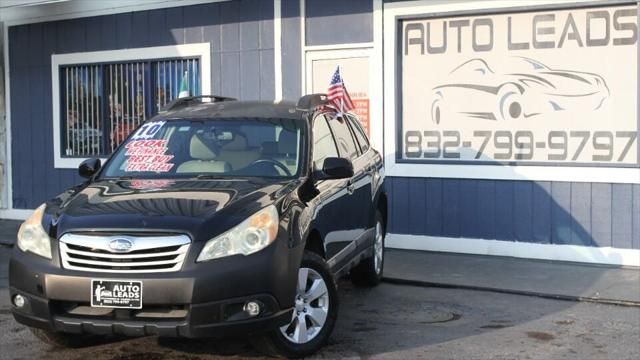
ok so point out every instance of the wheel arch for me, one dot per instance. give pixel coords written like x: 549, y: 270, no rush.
x: 314, y: 243
x: 383, y: 205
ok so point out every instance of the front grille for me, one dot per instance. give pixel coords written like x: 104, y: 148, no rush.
x: 146, y: 254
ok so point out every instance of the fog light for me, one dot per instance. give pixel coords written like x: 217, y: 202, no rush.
x: 18, y: 301
x: 252, y: 308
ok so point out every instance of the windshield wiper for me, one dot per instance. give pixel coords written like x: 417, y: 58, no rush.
x: 116, y: 178
x: 208, y: 177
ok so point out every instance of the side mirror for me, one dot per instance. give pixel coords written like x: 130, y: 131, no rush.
x: 336, y: 168
x: 89, y: 167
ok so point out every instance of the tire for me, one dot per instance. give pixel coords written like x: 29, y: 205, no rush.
x: 282, y: 341
x: 369, y: 272
x: 62, y: 340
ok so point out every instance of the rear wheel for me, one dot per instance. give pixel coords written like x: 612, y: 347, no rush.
x: 369, y: 271
x: 314, y: 315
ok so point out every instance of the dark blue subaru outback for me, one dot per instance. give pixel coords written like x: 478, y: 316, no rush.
x: 215, y: 217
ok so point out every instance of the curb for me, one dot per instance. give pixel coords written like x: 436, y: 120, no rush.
x: 513, y: 292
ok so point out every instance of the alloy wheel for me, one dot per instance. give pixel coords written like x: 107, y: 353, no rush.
x: 311, y: 308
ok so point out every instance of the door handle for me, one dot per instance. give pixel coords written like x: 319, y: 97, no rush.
x: 371, y: 169
x: 351, y: 188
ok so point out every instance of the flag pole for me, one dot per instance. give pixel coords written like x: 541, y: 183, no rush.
x: 342, y: 97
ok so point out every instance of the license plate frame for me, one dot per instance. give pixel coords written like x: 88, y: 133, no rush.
x: 116, y: 293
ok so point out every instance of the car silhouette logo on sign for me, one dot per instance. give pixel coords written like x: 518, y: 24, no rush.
x: 121, y: 245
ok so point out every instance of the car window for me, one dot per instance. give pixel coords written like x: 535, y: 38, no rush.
x: 360, y: 136
x: 344, y: 139
x: 246, y: 147
x: 323, y: 144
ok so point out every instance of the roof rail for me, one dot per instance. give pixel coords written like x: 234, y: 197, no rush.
x: 312, y: 101
x: 181, y: 102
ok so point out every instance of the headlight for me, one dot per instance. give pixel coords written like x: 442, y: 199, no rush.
x: 248, y: 237
x: 32, y: 237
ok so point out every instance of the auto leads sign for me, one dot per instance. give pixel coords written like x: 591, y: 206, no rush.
x: 526, y: 88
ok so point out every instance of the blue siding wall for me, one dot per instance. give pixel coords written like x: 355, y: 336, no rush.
x: 338, y: 21
x: 543, y: 212
x: 241, y: 36
x: 291, y: 50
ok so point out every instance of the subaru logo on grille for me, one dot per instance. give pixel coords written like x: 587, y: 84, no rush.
x: 120, y: 245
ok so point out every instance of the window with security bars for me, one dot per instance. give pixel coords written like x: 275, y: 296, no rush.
x: 103, y: 103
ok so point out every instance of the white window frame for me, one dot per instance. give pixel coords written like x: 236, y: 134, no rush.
x: 202, y: 51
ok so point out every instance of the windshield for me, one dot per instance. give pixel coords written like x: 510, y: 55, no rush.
x: 209, y: 148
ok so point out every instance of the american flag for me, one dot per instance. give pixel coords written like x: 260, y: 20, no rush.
x: 337, y: 93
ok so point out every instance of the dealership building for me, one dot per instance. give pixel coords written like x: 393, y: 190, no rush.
x: 508, y: 128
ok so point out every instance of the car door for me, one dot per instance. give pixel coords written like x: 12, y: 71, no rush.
x: 364, y: 169
x: 357, y: 202
x: 332, y: 203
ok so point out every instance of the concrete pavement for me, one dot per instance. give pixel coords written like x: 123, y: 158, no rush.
x: 569, y: 281
x: 400, y: 322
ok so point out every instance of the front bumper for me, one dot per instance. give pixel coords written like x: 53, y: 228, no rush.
x: 202, y: 300
x: 200, y: 320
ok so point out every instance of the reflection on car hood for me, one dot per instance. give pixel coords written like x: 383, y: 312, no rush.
x: 162, y: 205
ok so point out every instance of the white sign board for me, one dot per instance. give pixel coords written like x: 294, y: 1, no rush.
x: 535, y: 88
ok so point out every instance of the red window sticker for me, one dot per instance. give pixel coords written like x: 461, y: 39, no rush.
x: 150, y: 184
x: 141, y: 167
x: 163, y: 159
x: 148, y: 155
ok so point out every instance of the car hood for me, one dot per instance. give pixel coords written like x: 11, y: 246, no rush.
x: 200, y: 208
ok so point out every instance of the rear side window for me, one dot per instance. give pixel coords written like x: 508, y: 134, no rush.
x: 323, y: 144
x: 360, y: 136
x: 344, y: 139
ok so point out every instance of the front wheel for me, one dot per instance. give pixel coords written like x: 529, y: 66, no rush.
x: 314, y: 314
x: 369, y: 271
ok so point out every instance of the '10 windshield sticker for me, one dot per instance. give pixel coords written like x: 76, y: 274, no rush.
x: 148, y: 130
x: 148, y: 155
